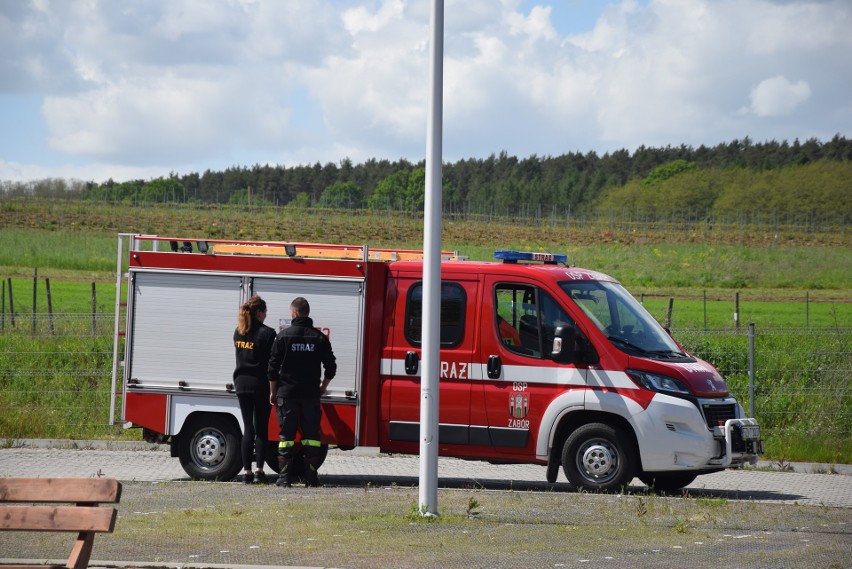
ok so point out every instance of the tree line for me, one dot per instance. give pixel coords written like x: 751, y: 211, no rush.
x: 809, y: 176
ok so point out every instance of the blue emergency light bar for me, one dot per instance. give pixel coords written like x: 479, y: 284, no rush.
x: 509, y: 256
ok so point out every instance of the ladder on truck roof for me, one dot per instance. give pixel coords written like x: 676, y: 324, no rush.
x: 315, y: 250
x: 289, y: 249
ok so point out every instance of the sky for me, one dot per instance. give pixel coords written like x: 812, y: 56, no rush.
x: 138, y: 89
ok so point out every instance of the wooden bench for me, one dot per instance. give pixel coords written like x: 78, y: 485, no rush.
x: 85, y: 516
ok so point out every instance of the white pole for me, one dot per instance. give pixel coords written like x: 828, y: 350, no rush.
x: 430, y: 375
x: 117, y: 328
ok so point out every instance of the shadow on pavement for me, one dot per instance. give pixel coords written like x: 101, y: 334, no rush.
x: 360, y: 481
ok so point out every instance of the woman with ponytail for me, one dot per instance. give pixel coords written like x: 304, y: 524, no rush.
x: 253, y: 343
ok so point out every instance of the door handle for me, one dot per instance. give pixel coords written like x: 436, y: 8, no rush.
x: 494, y: 367
x: 411, y: 363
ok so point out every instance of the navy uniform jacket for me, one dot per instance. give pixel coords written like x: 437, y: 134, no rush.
x: 299, y: 355
x: 253, y: 349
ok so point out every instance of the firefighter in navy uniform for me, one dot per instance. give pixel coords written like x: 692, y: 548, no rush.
x: 253, y: 344
x: 300, y: 368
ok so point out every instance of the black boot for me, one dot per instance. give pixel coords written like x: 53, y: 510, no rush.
x: 285, y: 463
x: 312, y: 464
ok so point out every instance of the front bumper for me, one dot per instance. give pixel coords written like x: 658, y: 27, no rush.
x: 742, y: 442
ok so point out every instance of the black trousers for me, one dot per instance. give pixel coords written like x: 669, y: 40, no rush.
x: 294, y: 413
x: 255, y: 408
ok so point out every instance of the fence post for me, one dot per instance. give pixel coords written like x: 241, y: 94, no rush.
x: 751, y: 369
x: 705, y: 310
x: 3, y: 309
x: 94, y: 312
x: 11, y: 304
x: 35, y: 289
x: 807, y: 310
x: 737, y: 311
x: 49, y: 307
x: 669, y: 314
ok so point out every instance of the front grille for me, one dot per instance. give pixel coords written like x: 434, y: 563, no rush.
x: 716, y: 415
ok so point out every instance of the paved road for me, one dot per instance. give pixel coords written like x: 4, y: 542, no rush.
x: 808, y: 485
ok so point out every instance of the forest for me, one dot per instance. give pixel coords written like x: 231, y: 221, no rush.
x: 783, y: 179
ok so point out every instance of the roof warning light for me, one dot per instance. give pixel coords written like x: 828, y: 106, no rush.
x: 509, y: 256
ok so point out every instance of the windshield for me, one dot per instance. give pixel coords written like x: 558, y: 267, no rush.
x: 621, y: 318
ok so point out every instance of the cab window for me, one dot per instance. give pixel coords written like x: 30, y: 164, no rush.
x: 527, y: 318
x: 453, y: 305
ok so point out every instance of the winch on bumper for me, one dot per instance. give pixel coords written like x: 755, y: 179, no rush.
x: 742, y: 442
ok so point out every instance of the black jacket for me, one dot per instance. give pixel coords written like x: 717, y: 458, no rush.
x: 253, y: 349
x: 299, y: 354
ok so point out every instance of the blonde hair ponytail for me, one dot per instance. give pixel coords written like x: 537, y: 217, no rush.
x: 248, y: 311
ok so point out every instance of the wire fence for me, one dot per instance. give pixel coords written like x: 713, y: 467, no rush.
x: 795, y: 381
x: 461, y: 222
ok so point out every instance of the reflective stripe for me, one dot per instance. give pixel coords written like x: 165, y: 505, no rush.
x: 286, y: 444
x: 311, y: 443
x: 533, y: 374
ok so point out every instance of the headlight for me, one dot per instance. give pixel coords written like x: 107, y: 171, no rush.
x: 656, y: 382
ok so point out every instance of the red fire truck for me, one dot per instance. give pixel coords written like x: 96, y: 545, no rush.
x: 541, y: 362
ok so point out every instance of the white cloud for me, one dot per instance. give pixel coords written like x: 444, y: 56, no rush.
x: 778, y: 96
x: 535, y: 26
x: 94, y: 171
x: 178, y: 83
x: 360, y: 20
x: 119, y: 118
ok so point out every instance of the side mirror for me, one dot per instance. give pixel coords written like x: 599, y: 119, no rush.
x: 564, y: 345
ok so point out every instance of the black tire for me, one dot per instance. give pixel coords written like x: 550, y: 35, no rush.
x: 298, y: 469
x: 209, y: 447
x: 667, y: 481
x: 599, y: 457
x: 272, y: 456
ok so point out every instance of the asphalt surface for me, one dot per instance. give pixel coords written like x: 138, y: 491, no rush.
x: 801, y: 484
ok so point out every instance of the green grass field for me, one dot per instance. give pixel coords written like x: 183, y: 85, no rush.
x: 779, y: 287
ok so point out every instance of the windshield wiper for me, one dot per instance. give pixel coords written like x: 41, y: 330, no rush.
x: 628, y: 344
x: 641, y: 350
x: 675, y: 353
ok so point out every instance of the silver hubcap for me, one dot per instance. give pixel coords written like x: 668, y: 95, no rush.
x: 598, y: 460
x: 209, y: 448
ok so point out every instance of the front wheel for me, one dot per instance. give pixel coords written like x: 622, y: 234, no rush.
x: 209, y: 447
x: 598, y: 457
x: 667, y: 481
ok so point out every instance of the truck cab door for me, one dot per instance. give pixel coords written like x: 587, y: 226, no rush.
x: 402, y: 365
x: 518, y: 378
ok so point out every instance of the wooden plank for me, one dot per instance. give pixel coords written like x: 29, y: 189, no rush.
x: 81, y: 553
x: 79, y: 490
x: 86, y: 517
x: 57, y: 518
x: 34, y: 566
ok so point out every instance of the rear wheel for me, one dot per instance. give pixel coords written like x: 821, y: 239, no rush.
x: 598, y: 457
x: 667, y: 481
x: 209, y: 447
x: 272, y: 456
x: 298, y: 468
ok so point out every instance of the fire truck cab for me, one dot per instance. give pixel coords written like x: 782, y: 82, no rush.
x: 541, y: 362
